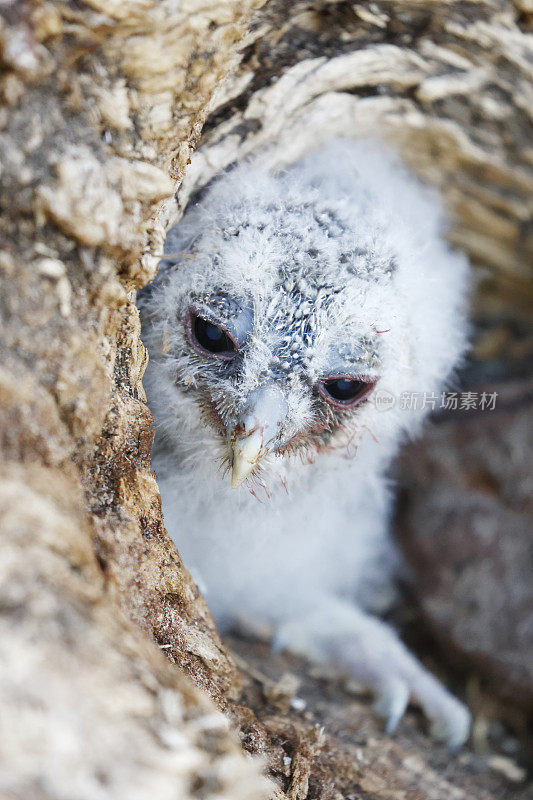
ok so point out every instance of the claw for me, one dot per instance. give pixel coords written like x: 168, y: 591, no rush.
x: 337, y: 634
x: 453, y: 729
x: 391, y: 704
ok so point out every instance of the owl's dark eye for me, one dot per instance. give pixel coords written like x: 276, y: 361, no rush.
x: 209, y: 339
x: 344, y: 392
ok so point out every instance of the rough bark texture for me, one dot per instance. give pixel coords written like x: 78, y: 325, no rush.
x: 102, y: 104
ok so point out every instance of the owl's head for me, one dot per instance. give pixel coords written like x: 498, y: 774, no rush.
x: 290, y: 300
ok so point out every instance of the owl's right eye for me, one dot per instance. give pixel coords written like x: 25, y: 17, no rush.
x: 210, y: 340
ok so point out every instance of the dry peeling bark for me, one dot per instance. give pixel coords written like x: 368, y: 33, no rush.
x: 90, y: 708
x: 102, y: 105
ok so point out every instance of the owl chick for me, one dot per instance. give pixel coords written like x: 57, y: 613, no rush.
x: 298, y: 315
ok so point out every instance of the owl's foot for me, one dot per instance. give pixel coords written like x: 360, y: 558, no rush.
x: 362, y: 646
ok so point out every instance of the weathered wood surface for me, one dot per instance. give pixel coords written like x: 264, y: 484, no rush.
x: 102, y: 104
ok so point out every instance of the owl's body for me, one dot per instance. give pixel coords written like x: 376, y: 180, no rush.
x: 265, y: 557
x: 296, y: 300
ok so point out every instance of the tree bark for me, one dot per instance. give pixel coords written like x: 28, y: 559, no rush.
x: 102, y: 106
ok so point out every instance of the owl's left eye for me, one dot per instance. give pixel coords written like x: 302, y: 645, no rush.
x: 344, y: 392
x: 209, y: 339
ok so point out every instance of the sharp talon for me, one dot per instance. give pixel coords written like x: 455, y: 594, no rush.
x: 391, y: 704
x: 454, y: 747
x: 454, y: 729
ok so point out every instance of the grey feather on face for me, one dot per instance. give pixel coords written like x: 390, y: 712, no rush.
x: 279, y: 275
x: 308, y: 276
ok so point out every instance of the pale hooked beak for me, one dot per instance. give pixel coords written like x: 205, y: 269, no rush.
x: 253, y: 436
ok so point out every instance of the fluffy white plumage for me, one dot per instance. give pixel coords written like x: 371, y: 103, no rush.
x: 334, y: 268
